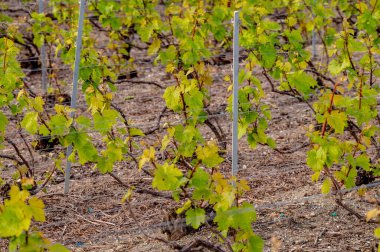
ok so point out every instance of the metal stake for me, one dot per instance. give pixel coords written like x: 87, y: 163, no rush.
x: 75, y: 86
x: 235, y: 102
x: 43, y: 53
x: 314, y: 38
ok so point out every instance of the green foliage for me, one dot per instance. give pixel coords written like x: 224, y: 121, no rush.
x: 195, y: 217
x: 16, y: 215
x: 167, y: 177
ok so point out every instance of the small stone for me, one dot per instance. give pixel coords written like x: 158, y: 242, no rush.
x: 79, y: 244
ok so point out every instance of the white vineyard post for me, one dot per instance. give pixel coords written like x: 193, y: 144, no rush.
x: 75, y: 86
x: 235, y: 102
x: 43, y: 53
x: 313, y: 38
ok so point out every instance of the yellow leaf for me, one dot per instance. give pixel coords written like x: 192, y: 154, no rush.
x: 147, y: 156
x: 127, y: 195
x: 373, y: 214
x: 185, y: 206
x: 37, y: 208
x: 27, y: 182
x: 326, y: 186
x: 362, y: 191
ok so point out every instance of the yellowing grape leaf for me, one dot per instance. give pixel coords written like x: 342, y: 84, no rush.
x: 195, y: 217
x: 37, y: 208
x: 167, y: 177
x: 209, y: 154
x: 373, y: 214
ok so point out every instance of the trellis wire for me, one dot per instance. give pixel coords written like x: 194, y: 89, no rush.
x: 75, y: 86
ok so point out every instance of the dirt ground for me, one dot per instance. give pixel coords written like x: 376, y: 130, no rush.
x: 292, y: 215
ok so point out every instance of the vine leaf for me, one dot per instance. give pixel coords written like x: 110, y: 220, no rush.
x: 147, y: 156
x: 37, y: 209
x: 337, y: 120
x: 16, y: 214
x: 3, y: 122
x: 326, y: 186
x: 209, y: 154
x: 303, y: 82
x: 167, y: 177
x: 30, y: 122
x: 236, y: 217
x: 255, y: 243
x: 195, y: 217
x: 373, y: 214
x: 200, y: 181
x: 104, y: 122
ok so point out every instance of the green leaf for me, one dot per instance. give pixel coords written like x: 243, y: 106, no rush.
x: 59, y: 125
x: 255, y: 244
x: 82, y: 145
x: 58, y: 248
x: 184, y: 207
x: 337, y: 120
x: 136, y: 132
x: 209, y: 154
x: 303, y: 82
x: 154, y: 47
x: 13, y: 222
x: 315, y: 176
x: 200, y: 181
x: 173, y: 98
x: 236, y: 217
x: 167, y: 177
x: 316, y: 159
x: 200, y: 178
x: 268, y: 54
x: 38, y: 104
x: 194, y: 99
x: 104, y: 122
x: 363, y: 162
x: 83, y: 121
x: 15, y: 214
x: 377, y: 232
x: 335, y: 67
x: 271, y: 143
x: 3, y: 122
x: 195, y: 217
x: 30, y: 122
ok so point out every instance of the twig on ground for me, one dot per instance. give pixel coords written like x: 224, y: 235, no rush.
x: 319, y: 236
x: 349, y: 209
x: 157, y: 127
x: 294, y: 150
